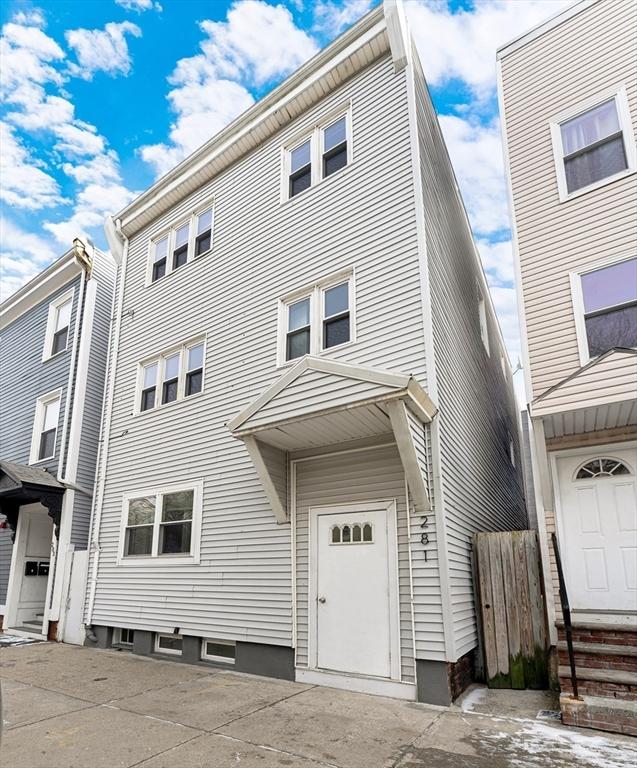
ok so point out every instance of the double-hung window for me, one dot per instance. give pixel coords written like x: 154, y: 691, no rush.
x: 58, y: 325
x: 605, y: 298
x: 184, y: 242
x: 45, y: 426
x: 171, y: 376
x: 593, y: 144
x: 162, y: 523
x: 482, y: 319
x: 317, y: 318
x: 318, y: 154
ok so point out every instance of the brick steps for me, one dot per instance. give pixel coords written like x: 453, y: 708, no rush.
x: 600, y: 656
x: 603, y: 714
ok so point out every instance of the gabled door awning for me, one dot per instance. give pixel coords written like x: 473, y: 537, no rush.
x: 322, y: 402
x: 22, y: 484
x: 600, y: 395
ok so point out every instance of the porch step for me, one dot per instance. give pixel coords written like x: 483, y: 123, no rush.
x: 589, y: 632
x: 600, y: 649
x: 605, y: 682
x: 601, y: 713
x: 32, y: 626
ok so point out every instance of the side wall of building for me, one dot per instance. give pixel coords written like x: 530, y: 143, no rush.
x: 481, y: 488
x: 588, y: 55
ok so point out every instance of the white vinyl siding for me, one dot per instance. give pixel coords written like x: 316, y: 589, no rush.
x: 242, y: 588
x: 481, y: 491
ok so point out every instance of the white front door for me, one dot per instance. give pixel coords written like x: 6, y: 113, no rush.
x: 355, y: 592
x: 598, y: 528
x: 29, y: 575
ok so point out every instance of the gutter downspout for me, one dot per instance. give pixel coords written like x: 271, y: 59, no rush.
x: 118, y: 244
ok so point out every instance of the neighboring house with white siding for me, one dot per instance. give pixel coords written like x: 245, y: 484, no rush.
x: 54, y: 336
x: 568, y: 96
x: 308, y: 415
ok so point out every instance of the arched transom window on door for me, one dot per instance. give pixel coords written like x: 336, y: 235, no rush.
x: 356, y: 533
x: 602, y: 467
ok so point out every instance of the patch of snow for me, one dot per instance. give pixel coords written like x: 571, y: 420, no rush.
x: 475, y: 696
x: 538, y: 744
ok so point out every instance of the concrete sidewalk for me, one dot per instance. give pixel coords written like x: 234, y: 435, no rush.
x: 70, y: 707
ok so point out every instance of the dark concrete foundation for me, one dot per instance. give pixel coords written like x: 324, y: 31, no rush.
x: 441, y: 682
x: 267, y: 660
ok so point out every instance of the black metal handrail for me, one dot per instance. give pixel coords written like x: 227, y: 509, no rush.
x: 566, y: 613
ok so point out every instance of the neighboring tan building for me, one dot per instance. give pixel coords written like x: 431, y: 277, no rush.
x: 310, y: 409
x: 54, y: 336
x: 568, y: 95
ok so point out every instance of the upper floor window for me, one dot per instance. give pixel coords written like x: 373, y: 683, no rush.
x: 171, y: 376
x: 594, y: 144
x: 605, y: 299
x: 317, y: 317
x: 45, y: 426
x: 162, y: 522
x: 319, y: 154
x: 482, y: 319
x: 183, y: 243
x: 58, y: 324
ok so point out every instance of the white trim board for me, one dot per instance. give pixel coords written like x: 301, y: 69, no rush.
x: 372, y: 685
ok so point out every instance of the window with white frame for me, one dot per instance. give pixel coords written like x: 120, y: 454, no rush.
x: 170, y: 644
x: 184, y: 242
x: 171, y: 376
x: 482, y: 319
x: 58, y: 325
x: 606, y: 302
x: 323, y: 152
x: 593, y: 144
x: 162, y: 522
x: 511, y: 452
x: 221, y: 651
x: 317, y: 318
x: 123, y: 636
x: 45, y: 426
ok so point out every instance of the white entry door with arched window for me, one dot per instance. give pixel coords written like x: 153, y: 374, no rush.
x: 597, y: 524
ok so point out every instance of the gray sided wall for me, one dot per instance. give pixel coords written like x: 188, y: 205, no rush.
x: 362, y: 217
x: 481, y: 489
x: 370, y: 475
x: 103, y: 273
x: 6, y: 550
x: 24, y: 378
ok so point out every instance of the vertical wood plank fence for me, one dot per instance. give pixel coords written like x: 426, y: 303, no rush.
x: 510, y: 602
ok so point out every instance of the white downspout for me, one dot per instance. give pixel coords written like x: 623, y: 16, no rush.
x: 118, y: 244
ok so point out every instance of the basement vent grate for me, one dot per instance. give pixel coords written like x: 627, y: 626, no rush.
x: 548, y: 714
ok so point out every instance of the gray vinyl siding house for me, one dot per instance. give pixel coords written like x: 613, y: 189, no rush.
x: 380, y: 437
x: 54, y: 386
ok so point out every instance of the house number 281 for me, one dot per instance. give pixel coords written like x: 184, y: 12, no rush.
x: 424, y: 536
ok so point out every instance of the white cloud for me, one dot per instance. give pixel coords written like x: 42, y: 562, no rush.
x: 100, y: 169
x: 24, y: 184
x: 27, y: 56
x: 497, y: 259
x: 462, y: 44
x: 139, y: 6
x: 332, y: 17
x: 22, y: 256
x: 476, y: 154
x: 211, y: 88
x: 102, y: 50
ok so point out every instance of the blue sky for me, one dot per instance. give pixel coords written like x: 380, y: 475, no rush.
x: 101, y: 97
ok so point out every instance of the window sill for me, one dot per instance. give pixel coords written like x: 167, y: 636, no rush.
x: 55, y: 356
x: 159, y: 408
x: 321, y: 353
x: 318, y: 185
x: 41, y: 461
x: 565, y: 197
x: 144, y: 561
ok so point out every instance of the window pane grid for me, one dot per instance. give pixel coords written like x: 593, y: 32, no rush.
x: 171, y: 513
x: 177, y: 381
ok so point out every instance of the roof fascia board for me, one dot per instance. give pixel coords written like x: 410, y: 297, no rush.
x: 369, y: 27
x: 47, y: 282
x: 543, y: 27
x: 397, y: 33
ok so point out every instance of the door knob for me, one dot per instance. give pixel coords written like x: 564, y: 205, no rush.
x: 321, y: 599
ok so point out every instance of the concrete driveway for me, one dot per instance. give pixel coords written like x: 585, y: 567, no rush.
x: 70, y: 707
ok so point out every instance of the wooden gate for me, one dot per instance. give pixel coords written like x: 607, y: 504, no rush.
x: 511, y: 608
